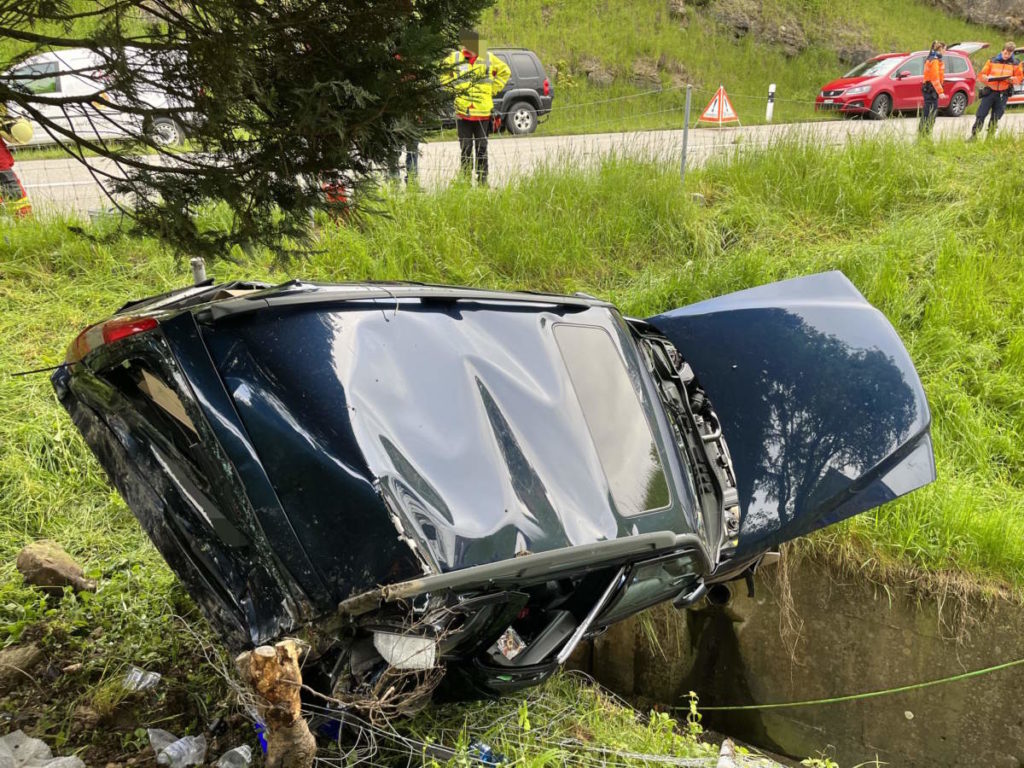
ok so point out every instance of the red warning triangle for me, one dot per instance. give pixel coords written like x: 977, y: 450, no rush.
x: 719, y: 111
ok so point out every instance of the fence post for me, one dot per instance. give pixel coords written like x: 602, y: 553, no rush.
x: 686, y: 133
x: 771, y: 104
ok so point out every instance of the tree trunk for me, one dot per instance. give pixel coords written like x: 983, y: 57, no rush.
x: 272, y: 672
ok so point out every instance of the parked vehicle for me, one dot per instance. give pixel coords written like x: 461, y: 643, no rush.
x: 453, y: 487
x: 79, y: 72
x: 891, y: 83
x: 1017, y: 97
x: 527, y: 97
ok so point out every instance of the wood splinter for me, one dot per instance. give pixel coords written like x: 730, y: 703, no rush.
x: 273, y: 674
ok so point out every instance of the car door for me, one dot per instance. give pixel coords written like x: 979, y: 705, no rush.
x: 907, y: 80
x: 957, y: 73
x: 821, y: 406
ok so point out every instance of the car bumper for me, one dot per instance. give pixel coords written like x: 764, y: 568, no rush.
x: 853, y: 105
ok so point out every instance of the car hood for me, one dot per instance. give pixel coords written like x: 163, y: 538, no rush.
x: 821, y: 406
x: 846, y: 82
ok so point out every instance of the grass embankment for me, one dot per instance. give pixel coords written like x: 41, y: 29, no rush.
x: 644, y: 46
x: 929, y: 235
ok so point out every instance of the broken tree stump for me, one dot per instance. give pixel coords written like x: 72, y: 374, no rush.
x: 273, y: 674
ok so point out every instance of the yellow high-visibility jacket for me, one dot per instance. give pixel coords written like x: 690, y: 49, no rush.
x: 476, y: 81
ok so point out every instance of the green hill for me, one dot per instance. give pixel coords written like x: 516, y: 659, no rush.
x: 602, y: 50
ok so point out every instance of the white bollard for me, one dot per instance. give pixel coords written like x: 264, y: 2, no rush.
x: 771, y: 103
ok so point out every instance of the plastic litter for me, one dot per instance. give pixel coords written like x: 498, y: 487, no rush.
x: 188, y: 750
x: 138, y: 679
x: 159, y: 739
x: 484, y: 754
x: 239, y: 757
x: 18, y: 750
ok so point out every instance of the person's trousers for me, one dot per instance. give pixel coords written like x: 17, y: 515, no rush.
x: 995, y: 103
x: 931, y: 109
x: 13, y: 194
x: 473, y: 144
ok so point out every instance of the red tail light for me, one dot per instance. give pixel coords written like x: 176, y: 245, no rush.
x: 547, y: 87
x: 106, y: 333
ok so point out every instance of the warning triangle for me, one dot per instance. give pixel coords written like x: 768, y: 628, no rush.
x: 719, y: 111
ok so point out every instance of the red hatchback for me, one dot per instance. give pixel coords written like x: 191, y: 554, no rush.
x: 892, y: 83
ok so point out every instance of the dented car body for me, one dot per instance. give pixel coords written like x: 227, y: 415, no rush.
x: 462, y: 484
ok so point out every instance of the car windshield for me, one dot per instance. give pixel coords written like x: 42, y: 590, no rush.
x: 873, y: 67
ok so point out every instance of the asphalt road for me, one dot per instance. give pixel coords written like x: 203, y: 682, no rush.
x: 65, y: 185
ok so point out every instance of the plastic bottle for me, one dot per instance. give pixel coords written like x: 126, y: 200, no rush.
x: 239, y: 757
x: 188, y: 750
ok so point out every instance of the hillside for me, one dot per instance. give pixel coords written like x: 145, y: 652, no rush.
x: 606, y: 50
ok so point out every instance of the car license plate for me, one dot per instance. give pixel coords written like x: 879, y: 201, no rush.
x: 829, y: 101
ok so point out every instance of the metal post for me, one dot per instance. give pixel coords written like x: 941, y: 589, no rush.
x: 686, y: 133
x: 198, y: 270
x: 771, y: 104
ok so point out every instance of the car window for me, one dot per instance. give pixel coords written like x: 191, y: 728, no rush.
x: 616, y: 419
x: 956, y: 65
x: 873, y: 68
x: 37, y: 78
x: 524, y: 64
x: 915, y: 67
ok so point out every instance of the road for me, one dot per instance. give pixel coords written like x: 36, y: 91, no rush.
x: 65, y: 185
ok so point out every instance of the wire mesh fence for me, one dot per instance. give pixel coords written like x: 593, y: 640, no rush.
x: 65, y: 185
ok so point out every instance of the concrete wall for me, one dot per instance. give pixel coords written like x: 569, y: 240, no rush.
x: 853, y: 637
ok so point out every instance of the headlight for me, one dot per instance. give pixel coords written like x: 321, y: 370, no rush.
x: 856, y: 90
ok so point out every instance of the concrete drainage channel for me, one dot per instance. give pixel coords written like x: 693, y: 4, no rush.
x: 823, y: 637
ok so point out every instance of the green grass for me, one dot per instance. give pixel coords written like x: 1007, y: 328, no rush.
x: 928, y: 233
x: 566, y: 32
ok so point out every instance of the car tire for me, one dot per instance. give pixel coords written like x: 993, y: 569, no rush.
x: 521, y: 118
x: 166, y: 132
x: 881, y: 107
x: 957, y: 104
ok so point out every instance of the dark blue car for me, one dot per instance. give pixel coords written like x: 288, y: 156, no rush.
x: 453, y: 487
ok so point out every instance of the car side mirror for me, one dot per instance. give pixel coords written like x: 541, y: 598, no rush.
x: 904, y: 73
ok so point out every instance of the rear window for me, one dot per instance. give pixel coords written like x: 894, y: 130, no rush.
x: 524, y: 65
x: 616, y: 419
x: 956, y: 65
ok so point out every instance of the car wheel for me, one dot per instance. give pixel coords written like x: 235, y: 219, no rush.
x: 881, y: 107
x: 165, y: 132
x: 957, y: 104
x: 521, y: 118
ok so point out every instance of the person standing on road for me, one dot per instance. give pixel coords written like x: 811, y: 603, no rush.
x: 931, y: 88
x: 12, y: 192
x: 997, y: 77
x: 476, y: 76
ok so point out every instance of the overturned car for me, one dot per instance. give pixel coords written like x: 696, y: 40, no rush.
x: 447, y: 489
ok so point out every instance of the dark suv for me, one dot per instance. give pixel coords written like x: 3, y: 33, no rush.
x: 528, y: 94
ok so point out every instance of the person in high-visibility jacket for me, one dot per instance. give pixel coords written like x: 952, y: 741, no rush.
x: 13, y: 196
x: 476, y: 76
x: 931, y: 88
x: 999, y: 75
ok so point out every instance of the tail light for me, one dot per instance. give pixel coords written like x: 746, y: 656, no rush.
x: 96, y: 336
x: 547, y: 87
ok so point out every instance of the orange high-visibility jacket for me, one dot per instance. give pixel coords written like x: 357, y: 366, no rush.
x: 1000, y: 67
x: 935, y: 72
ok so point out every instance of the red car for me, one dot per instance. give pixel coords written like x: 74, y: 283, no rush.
x: 892, y: 83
